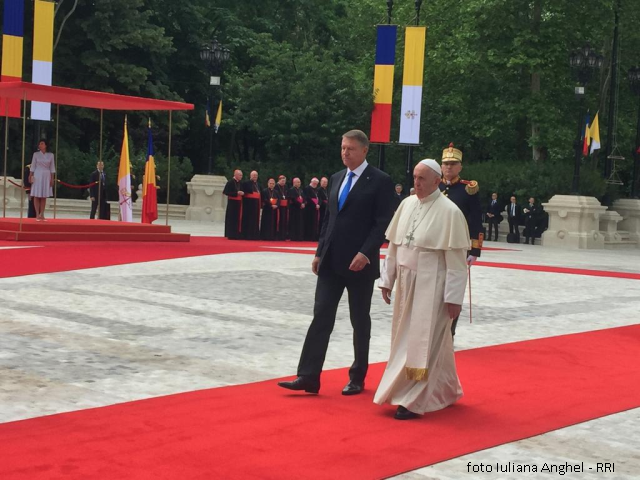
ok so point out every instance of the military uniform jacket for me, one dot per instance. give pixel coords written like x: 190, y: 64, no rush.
x: 464, y: 194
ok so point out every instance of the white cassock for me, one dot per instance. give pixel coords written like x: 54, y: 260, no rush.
x: 428, y: 244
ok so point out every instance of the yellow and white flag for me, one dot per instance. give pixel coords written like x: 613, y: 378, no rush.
x: 412, y: 81
x: 42, y: 54
x: 124, y: 179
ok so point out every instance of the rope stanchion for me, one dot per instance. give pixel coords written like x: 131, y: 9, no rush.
x: 26, y: 189
x: 65, y: 184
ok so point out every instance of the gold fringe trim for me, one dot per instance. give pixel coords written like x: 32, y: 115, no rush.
x: 417, y: 374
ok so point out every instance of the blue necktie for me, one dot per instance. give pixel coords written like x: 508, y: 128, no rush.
x: 345, y: 191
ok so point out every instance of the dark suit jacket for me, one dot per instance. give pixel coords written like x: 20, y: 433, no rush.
x: 495, y: 210
x: 515, y: 217
x: 95, y: 175
x: 360, y: 225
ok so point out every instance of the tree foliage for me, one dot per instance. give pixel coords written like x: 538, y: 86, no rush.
x: 497, y: 83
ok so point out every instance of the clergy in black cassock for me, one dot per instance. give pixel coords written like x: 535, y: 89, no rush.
x: 323, y: 198
x: 270, y: 213
x: 311, y: 211
x: 233, y: 215
x: 296, y: 209
x: 283, y: 208
x: 251, y: 203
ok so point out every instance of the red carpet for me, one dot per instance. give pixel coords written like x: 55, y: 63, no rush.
x: 512, y: 391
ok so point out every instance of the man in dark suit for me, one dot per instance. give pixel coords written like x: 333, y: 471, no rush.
x: 98, y: 193
x: 530, y: 220
x: 348, y: 256
x: 27, y: 184
x: 493, y: 216
x: 398, y: 197
x: 513, y: 217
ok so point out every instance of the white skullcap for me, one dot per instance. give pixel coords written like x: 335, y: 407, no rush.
x: 433, y: 165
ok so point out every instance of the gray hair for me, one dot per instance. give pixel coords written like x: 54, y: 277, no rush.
x: 358, y: 135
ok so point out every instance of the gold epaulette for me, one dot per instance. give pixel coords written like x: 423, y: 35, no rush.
x: 471, y: 186
x: 477, y: 243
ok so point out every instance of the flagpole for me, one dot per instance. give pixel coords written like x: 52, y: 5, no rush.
x: 55, y: 175
x: 99, y: 205
x: 169, y: 170
x: 24, y: 139
x: 6, y: 139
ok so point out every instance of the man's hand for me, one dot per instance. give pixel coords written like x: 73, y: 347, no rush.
x: 317, y: 207
x: 273, y: 207
x: 93, y: 199
x: 358, y: 262
x: 471, y: 259
x: 454, y: 310
x: 315, y: 264
x: 302, y: 205
x: 240, y: 192
x: 386, y: 295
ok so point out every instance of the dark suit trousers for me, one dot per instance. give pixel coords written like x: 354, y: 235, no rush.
x: 329, y: 290
x: 513, y: 227
x: 493, y: 223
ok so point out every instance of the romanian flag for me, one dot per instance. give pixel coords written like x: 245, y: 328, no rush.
x: 42, y: 54
x: 586, y: 137
x: 124, y: 179
x: 412, y: 80
x: 594, y: 134
x: 149, y: 189
x: 12, y: 48
x: 216, y: 125
x: 207, y: 116
x: 383, y: 84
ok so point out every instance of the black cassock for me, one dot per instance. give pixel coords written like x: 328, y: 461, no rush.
x: 233, y: 216
x: 323, y: 198
x: 269, y: 220
x: 283, y: 212
x: 296, y: 209
x: 251, y: 203
x: 311, y: 214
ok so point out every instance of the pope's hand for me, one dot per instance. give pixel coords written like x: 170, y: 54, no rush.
x: 358, y: 262
x: 471, y: 259
x: 453, y: 310
x: 386, y: 295
x: 315, y: 264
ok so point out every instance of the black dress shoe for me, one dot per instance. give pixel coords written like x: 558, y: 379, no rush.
x: 307, y: 384
x: 353, y: 388
x: 404, y: 414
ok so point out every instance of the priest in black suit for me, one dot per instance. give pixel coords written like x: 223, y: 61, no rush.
x: 233, y: 215
x: 348, y: 256
x: 251, y: 206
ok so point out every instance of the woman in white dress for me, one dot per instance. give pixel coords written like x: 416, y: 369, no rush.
x: 41, y: 178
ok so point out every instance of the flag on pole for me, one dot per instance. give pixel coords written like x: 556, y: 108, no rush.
x: 42, y: 54
x: 412, y: 80
x: 383, y: 83
x: 12, y: 48
x: 149, y: 190
x: 586, y: 138
x: 594, y: 133
x: 218, y: 121
x: 124, y: 179
x: 207, y: 116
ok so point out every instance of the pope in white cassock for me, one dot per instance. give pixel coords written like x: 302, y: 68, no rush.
x: 426, y: 261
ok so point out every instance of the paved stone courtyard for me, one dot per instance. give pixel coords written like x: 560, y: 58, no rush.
x: 95, y: 337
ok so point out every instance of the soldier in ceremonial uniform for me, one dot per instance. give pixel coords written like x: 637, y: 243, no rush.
x: 464, y: 193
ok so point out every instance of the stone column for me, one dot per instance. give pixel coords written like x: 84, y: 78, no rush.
x: 13, y: 194
x: 629, y: 208
x: 609, y: 226
x: 573, y: 222
x: 206, y: 202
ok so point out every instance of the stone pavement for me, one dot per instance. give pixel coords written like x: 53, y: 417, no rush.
x: 88, y: 338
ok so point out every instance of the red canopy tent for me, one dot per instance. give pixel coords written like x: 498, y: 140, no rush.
x: 73, y: 97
